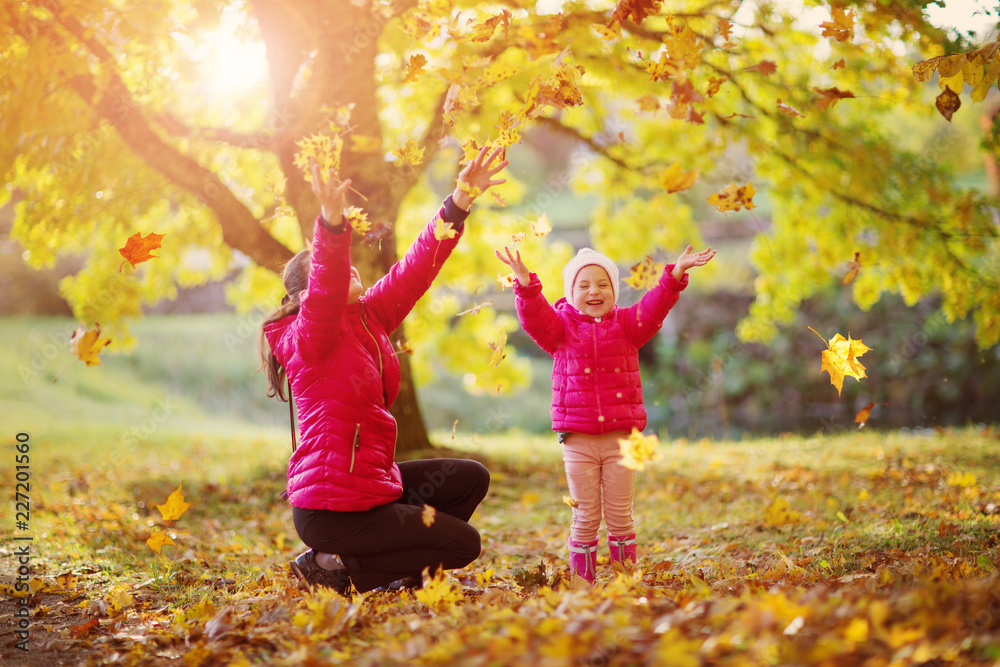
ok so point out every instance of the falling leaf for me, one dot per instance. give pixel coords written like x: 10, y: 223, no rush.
x: 649, y: 102
x: 841, y: 27
x: 443, y: 230
x: 862, y: 417
x: 358, y: 219
x: 541, y: 227
x: 646, y: 274
x: 637, y: 10
x: 498, y: 352
x: 410, y: 153
x: 725, y: 29
x: 453, y: 427
x: 138, y: 248
x: 779, y: 513
x: 428, y: 514
x: 86, y: 345
x: 853, y: 268
x: 714, y: 84
x: 733, y: 198
x: 414, y: 67
x: 571, y: 501
x: 675, y: 179
x: 637, y: 449
x: 470, y: 190
x: 608, y: 33
x: 497, y: 198
x: 838, y: 65
x: 505, y: 280
x: 830, y: 96
x: 175, y: 505
x: 483, y: 32
x: 158, y: 540
x: 517, y: 238
x: 764, y: 67
x: 840, y: 359
x: 404, y: 347
x: 323, y: 149
x: 475, y: 309
x: 947, y: 103
x: 787, y: 110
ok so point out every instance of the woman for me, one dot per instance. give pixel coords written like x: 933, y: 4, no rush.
x: 361, y: 514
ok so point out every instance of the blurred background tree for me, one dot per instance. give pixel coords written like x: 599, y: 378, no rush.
x: 184, y: 117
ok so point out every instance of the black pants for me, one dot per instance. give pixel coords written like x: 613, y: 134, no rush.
x: 391, y: 541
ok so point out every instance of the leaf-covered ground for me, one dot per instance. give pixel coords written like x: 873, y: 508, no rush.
x: 848, y: 549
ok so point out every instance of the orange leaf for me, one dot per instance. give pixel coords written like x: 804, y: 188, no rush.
x: 830, y: 96
x: 838, y: 65
x: 636, y: 9
x: 787, y: 109
x: 414, y: 67
x: 764, y: 67
x: 842, y: 26
x: 81, y: 630
x: 175, y: 505
x: 863, y: 415
x: 853, y: 268
x: 159, y: 540
x: 137, y: 249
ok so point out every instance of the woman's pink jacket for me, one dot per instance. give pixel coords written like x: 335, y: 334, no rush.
x: 596, y: 387
x: 344, y: 373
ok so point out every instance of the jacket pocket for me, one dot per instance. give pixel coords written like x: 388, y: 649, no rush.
x: 355, y: 445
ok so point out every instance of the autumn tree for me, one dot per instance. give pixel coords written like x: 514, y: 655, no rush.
x: 108, y: 127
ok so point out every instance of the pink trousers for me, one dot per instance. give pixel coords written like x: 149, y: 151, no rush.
x: 598, y: 481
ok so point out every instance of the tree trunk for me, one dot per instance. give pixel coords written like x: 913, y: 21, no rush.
x: 992, y: 150
x: 411, y: 432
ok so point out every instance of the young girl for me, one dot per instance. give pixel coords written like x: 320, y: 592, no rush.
x: 361, y: 514
x: 596, y: 389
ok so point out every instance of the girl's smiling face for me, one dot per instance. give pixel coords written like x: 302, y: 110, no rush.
x: 592, y: 291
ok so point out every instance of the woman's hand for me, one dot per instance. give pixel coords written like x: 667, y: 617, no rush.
x: 331, y: 193
x: 514, y: 262
x: 689, y: 260
x: 477, y: 176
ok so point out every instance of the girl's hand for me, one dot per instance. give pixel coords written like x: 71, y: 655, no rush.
x: 478, y: 175
x: 514, y: 262
x: 689, y: 260
x: 331, y: 193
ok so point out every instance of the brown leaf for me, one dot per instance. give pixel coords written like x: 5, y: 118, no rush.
x: 635, y: 9
x: 853, y: 267
x: 830, y: 96
x: 863, y: 415
x: 924, y: 70
x: 788, y: 110
x: 138, y: 248
x: 78, y: 631
x: 947, y: 103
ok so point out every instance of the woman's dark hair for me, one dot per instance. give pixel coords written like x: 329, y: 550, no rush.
x: 296, y: 278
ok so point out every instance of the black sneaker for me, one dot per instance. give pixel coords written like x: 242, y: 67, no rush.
x: 307, y: 570
x: 404, y: 584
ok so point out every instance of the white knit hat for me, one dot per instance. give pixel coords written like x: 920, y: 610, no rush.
x: 586, y: 257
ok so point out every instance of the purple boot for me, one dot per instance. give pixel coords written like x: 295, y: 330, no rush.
x: 583, y: 559
x: 623, y: 549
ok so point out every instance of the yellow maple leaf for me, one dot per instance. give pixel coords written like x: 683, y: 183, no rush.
x: 86, y: 345
x: 608, y: 33
x: 542, y: 226
x: 841, y: 27
x: 437, y: 593
x: 324, y: 149
x: 733, y: 197
x: 410, y: 153
x: 840, y: 359
x: 780, y: 513
x: 645, y: 274
x: 637, y: 449
x: 683, y: 45
x: 675, y: 179
x: 498, y: 353
x: 358, y: 219
x: 158, y: 540
x: 175, y: 505
x: 443, y: 230
x: 470, y: 190
x: 428, y: 514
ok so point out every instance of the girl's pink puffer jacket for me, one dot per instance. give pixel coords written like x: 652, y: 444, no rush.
x: 596, y: 387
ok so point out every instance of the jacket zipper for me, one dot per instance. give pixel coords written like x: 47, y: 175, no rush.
x: 597, y: 389
x: 356, y: 445
x: 378, y: 351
